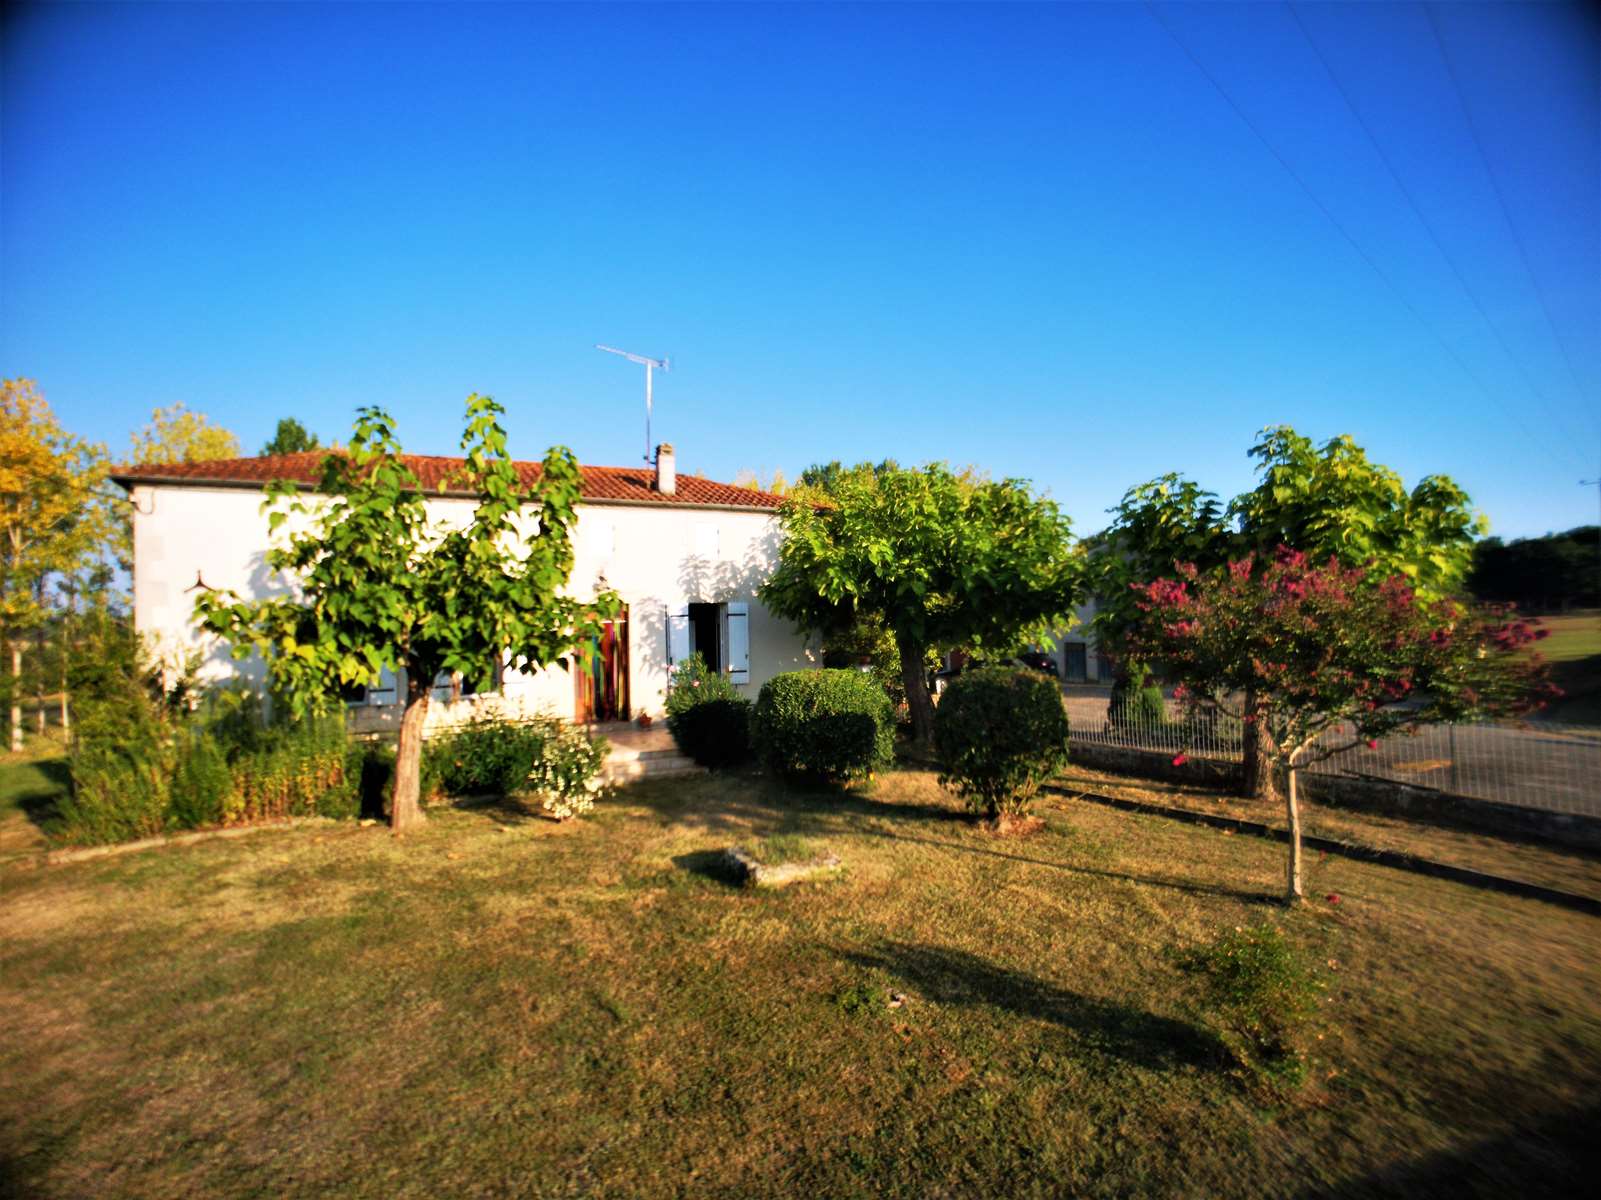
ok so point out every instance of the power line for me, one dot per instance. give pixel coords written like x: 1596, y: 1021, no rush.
x: 1341, y: 229
x: 1506, y: 210
x: 1417, y: 211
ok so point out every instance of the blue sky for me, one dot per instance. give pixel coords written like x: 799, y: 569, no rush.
x: 1039, y: 239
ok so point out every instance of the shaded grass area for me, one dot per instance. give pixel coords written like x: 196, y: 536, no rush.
x: 30, y: 785
x: 1571, y: 870
x: 1574, y: 651
x: 499, y: 1004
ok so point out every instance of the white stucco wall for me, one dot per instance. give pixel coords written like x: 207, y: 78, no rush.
x: 656, y: 557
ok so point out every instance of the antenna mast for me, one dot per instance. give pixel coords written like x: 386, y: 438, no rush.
x: 650, y: 364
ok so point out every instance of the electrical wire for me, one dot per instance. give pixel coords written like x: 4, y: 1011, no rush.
x: 1434, y: 236
x: 1367, y: 258
x: 1506, y: 210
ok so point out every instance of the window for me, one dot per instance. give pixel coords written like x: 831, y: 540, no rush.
x: 381, y: 692
x: 454, y: 685
x: 719, y: 633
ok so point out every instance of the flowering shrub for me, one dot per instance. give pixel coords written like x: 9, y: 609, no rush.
x: 1000, y: 733
x: 566, y: 775
x: 706, y: 715
x: 1264, y: 994
x: 1330, y: 657
x: 544, y: 756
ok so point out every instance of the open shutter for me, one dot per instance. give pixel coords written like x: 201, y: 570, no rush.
x: 677, y: 633
x: 738, y: 641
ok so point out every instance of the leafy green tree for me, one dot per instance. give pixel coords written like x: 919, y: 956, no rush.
x: 1329, y: 656
x: 383, y: 585
x: 1550, y: 573
x: 291, y: 438
x: 177, y: 435
x: 1326, y: 501
x: 942, y: 560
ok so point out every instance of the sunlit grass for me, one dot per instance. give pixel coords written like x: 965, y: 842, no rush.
x: 501, y: 1004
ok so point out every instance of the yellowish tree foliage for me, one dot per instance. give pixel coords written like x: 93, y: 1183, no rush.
x: 177, y: 435
x: 51, y: 521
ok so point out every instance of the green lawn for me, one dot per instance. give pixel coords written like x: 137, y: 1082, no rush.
x: 503, y: 1005
x: 1574, y: 652
x: 30, y: 783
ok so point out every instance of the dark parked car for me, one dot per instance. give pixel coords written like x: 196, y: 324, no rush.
x: 1034, y: 660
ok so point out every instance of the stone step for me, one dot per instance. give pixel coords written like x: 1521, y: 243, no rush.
x: 634, y: 754
x: 654, y: 767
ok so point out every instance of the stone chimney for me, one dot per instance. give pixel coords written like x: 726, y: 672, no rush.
x: 666, y: 470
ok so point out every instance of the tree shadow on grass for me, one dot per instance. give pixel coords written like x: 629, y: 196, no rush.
x: 734, y: 798
x: 1547, y: 1154
x: 1178, y: 885
x: 38, y: 800
x: 956, y: 978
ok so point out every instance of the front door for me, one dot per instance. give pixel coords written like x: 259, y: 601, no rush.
x: 602, y: 677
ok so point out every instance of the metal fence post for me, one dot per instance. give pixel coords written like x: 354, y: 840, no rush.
x: 1451, y: 729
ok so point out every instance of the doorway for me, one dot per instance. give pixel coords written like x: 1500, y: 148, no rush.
x: 601, y: 677
x: 706, y: 634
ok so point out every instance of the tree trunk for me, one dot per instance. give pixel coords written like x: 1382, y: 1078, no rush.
x: 406, y: 809
x: 918, y: 701
x: 1292, y: 811
x: 66, y: 652
x: 1256, y: 772
x: 16, y: 696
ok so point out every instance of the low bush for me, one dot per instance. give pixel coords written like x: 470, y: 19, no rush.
x: 295, y: 768
x: 121, y: 767
x: 142, y: 766
x: 830, y: 725
x: 485, y: 757
x: 547, y: 757
x: 1000, y: 733
x: 1259, y: 987
x: 566, y: 775
x: 201, y: 781
x: 1137, y: 704
x: 708, y: 718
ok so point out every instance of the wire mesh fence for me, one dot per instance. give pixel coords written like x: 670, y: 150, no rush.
x: 1538, y: 765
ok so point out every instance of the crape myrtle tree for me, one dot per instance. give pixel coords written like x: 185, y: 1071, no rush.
x: 381, y: 585
x: 1330, y: 657
x: 941, y: 558
x: 1327, y: 501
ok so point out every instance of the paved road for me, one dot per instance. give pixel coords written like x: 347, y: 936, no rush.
x: 1552, y: 767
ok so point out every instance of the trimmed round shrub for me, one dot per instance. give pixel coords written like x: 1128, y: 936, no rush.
x: 1137, y: 704
x: 831, y: 725
x: 707, y: 717
x: 1000, y: 732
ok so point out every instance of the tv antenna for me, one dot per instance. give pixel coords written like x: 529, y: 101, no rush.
x: 650, y: 364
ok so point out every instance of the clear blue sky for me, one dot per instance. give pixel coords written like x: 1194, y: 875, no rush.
x: 1038, y: 239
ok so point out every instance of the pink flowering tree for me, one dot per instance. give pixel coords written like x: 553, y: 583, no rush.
x: 1330, y: 657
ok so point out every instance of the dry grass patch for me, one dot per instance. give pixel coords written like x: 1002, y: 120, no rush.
x: 490, y: 1007
x: 1549, y: 865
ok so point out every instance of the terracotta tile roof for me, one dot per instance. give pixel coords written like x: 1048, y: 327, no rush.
x: 632, y: 485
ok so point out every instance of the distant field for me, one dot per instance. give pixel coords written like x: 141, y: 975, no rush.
x: 1574, y: 651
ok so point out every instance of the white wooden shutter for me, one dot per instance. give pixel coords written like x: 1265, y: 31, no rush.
x: 738, y: 641
x: 677, y: 633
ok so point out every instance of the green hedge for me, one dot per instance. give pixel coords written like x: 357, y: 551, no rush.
x: 1000, y: 733
x: 831, y: 725
x: 140, y: 768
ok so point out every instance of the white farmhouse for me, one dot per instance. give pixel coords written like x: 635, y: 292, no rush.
x: 686, y: 555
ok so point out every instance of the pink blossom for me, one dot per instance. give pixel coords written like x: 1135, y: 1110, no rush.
x: 1373, y: 743
x: 1180, y: 759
